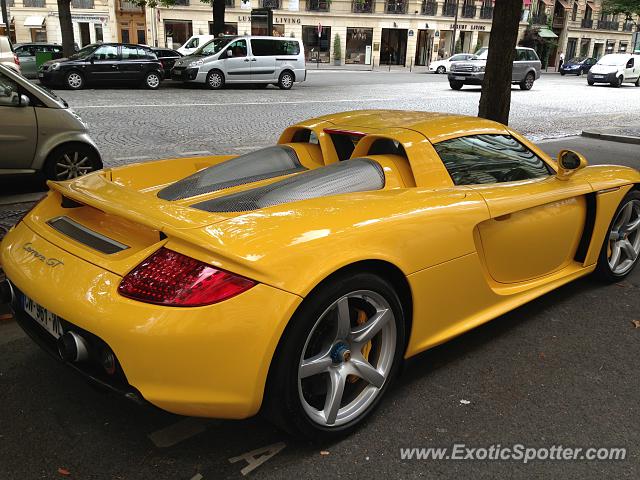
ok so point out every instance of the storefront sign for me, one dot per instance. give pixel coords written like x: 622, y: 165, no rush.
x: 247, y: 18
x: 464, y: 26
x: 86, y: 17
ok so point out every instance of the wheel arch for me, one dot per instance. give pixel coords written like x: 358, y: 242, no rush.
x: 290, y: 70
x: 63, y: 138
x: 70, y: 142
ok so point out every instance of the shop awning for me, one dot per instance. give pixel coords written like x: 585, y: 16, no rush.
x: 34, y: 21
x: 546, y: 33
x: 565, y: 4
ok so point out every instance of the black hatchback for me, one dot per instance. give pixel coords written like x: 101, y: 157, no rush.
x: 106, y: 63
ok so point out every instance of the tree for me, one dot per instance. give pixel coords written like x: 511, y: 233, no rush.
x: 495, y: 100
x: 628, y: 8
x: 66, y: 27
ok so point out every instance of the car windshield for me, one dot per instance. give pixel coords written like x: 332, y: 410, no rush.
x: 577, y: 60
x: 213, y: 47
x: 482, y: 55
x: 85, y: 52
x: 613, y: 60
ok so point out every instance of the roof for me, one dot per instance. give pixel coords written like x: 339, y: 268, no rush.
x: 434, y: 126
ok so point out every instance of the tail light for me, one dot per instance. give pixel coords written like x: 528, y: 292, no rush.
x: 170, y: 278
x: 16, y: 60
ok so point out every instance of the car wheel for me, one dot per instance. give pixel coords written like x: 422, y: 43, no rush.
x: 285, y: 82
x: 562, y: 74
x: 441, y: 69
x: 215, y: 80
x: 338, y: 356
x: 580, y: 72
x: 617, y: 83
x: 75, y: 80
x: 455, y: 85
x: 637, y: 84
x: 152, y: 81
x: 70, y: 161
x: 591, y: 82
x: 621, y: 249
x: 527, y: 83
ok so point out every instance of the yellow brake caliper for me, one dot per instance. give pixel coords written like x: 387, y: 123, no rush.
x: 362, y: 318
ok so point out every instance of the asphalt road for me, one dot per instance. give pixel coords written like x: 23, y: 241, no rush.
x: 561, y: 370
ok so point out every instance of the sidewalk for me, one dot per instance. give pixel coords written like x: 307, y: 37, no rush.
x: 330, y: 67
x: 625, y: 134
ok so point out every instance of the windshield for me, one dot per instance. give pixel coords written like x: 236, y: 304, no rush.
x: 577, y: 60
x: 613, y: 60
x: 85, y: 52
x: 482, y: 52
x: 213, y: 47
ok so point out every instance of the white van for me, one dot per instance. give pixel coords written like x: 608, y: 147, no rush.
x: 194, y: 43
x: 615, y: 69
x: 263, y: 60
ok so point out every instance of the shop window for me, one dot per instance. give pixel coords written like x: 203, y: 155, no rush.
x: 316, y: 48
x: 230, y: 28
x: 358, y: 39
x: 177, y: 32
x: 278, y: 31
x: 38, y: 34
x: 99, y: 34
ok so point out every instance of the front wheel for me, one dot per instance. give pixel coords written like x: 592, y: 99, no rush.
x: 637, y: 84
x: 215, y: 80
x: 590, y: 82
x: 152, y: 80
x: 455, y: 85
x: 527, y: 83
x: 70, y: 161
x: 441, y: 69
x: 341, y: 351
x: 621, y: 249
x: 285, y: 82
x: 617, y: 83
x: 75, y: 80
x: 562, y: 74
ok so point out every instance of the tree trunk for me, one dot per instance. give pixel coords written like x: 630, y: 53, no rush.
x: 495, y: 99
x: 66, y: 27
x: 218, y: 17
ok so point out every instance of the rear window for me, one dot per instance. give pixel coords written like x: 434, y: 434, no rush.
x: 267, y: 47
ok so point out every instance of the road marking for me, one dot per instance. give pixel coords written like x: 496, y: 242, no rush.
x: 241, y: 104
x: 178, y: 432
x: 257, y: 457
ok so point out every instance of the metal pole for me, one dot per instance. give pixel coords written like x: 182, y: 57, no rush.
x: 455, y: 27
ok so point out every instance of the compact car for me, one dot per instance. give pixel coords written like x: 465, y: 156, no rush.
x: 577, y: 66
x: 443, y: 66
x: 616, y: 69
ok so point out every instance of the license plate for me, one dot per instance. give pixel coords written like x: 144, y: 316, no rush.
x: 49, y: 321
x: 459, y: 78
x: 598, y: 76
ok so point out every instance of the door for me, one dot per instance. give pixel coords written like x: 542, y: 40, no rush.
x: 236, y: 62
x: 133, y: 63
x: 520, y: 64
x: 18, y: 128
x: 536, y: 220
x: 631, y: 70
x: 104, y: 64
x: 85, y: 36
x: 263, y: 59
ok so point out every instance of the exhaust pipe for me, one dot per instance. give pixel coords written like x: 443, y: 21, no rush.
x: 73, y: 348
x: 6, y: 293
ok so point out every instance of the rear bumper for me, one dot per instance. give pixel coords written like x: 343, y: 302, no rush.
x: 204, y: 361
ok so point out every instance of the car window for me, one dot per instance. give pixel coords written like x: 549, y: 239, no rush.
x: 238, y: 48
x: 457, y: 58
x: 532, y: 56
x: 131, y: 53
x: 630, y: 63
x: 9, y: 93
x: 287, y: 47
x: 145, y: 53
x: 193, y: 43
x: 480, y: 159
x: 521, y: 55
x: 105, y: 52
x: 263, y: 47
x: 213, y: 47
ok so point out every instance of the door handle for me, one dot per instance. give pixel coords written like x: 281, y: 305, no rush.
x: 114, y: 66
x: 246, y: 59
x: 254, y: 59
x: 501, y: 218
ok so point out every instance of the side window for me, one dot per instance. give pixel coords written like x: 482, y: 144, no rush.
x: 9, y: 93
x: 263, y: 48
x: 238, y: 48
x: 521, y: 55
x: 630, y: 63
x: 456, y: 58
x: 531, y: 55
x: 479, y: 159
x: 106, y: 52
x: 146, y: 54
x: 130, y: 53
x: 287, y: 47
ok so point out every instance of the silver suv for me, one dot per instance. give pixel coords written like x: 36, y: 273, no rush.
x: 526, y: 69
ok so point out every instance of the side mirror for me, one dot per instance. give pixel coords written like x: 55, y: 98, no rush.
x: 569, y: 162
x: 24, y: 101
x: 228, y: 53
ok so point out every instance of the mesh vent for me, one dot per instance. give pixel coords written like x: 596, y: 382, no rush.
x: 356, y: 175
x: 266, y: 163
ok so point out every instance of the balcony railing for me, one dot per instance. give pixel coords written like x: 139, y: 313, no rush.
x: 181, y: 3
x: 11, y: 3
x: 429, y: 8
x: 486, y: 12
x: 363, y: 6
x: 126, y: 6
x: 558, y: 21
x: 627, y: 26
x: 34, y: 3
x: 468, y: 11
x: 397, y: 7
x: 230, y: 3
x: 449, y: 9
x: 318, y: 5
x: 587, y: 23
x: 539, y: 19
x: 607, y: 25
x: 274, y: 4
x: 82, y: 4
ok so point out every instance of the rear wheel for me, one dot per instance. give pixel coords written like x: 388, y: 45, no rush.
x: 285, y: 82
x: 527, y: 83
x: 75, y: 80
x: 456, y: 85
x: 152, y: 80
x: 71, y: 160
x: 337, y: 358
x: 621, y: 248
x: 215, y: 80
x: 637, y: 84
x: 441, y: 69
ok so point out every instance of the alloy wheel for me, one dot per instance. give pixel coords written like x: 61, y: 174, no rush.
x: 528, y: 81
x: 72, y: 164
x: 624, y: 239
x: 286, y: 81
x: 74, y: 80
x: 215, y: 80
x: 347, y: 358
x: 153, y: 80
x: 441, y: 69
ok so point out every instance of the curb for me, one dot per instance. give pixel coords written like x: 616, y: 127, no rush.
x: 611, y: 137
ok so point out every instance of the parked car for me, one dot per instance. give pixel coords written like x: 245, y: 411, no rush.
x: 27, y: 54
x: 616, y: 69
x: 443, y: 66
x: 40, y: 133
x: 261, y: 60
x: 167, y: 57
x: 577, y: 65
x: 194, y: 43
x: 526, y: 69
x: 104, y: 63
x: 8, y: 58
x: 287, y: 282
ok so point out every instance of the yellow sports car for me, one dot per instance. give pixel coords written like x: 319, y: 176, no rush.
x: 295, y: 279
